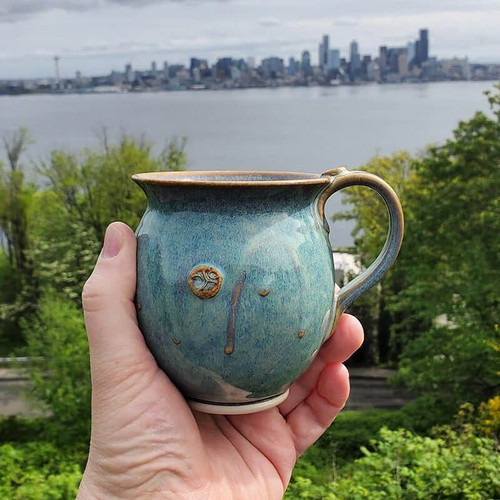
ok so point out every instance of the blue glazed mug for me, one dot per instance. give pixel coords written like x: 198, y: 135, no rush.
x: 235, y: 279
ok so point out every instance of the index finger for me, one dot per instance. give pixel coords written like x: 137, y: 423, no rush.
x: 346, y: 339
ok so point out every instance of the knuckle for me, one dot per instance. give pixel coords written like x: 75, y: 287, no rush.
x: 93, y: 295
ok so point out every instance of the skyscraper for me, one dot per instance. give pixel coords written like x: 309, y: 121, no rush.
x: 355, y: 59
x: 334, y: 59
x: 410, y: 48
x: 422, y: 47
x: 306, y: 63
x: 129, y: 73
x: 324, y: 49
x: 382, y: 58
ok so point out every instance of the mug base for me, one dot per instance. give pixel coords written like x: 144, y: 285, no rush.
x: 238, y: 409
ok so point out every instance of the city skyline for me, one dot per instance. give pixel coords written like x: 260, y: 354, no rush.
x: 82, y: 35
x: 411, y: 62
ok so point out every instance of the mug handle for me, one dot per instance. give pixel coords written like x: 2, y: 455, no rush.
x: 341, y: 178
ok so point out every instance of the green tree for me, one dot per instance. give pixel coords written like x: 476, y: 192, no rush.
x: 60, y: 370
x: 453, y: 264
x: 441, y: 301
x: 63, y: 249
x: 85, y: 193
x: 14, y: 201
x: 66, y: 222
x: 19, y: 291
x: 95, y: 189
x: 369, y: 213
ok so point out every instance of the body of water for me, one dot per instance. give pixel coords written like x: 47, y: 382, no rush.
x: 295, y: 129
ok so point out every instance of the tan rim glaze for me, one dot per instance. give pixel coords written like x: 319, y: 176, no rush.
x: 192, y: 178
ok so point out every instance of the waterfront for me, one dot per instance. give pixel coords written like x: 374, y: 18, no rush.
x: 297, y: 129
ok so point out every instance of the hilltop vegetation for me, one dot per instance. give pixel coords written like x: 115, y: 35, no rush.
x: 435, y: 316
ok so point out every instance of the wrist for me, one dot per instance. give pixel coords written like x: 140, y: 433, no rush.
x: 95, y: 484
x: 88, y: 490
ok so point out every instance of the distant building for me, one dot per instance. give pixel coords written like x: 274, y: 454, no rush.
x: 403, y: 64
x: 223, y: 68
x: 430, y: 69
x: 346, y: 266
x: 372, y: 71
x: 355, y: 60
x: 410, y: 51
x: 393, y: 55
x: 305, y: 64
x: 129, y: 74
x: 272, y: 67
x: 364, y: 64
x: 176, y: 71
x: 154, y: 70
x: 200, y: 67
x: 422, y: 47
x: 293, y: 66
x: 454, y: 69
x: 235, y: 73
x: 333, y: 60
x: 323, y: 53
x: 382, y: 58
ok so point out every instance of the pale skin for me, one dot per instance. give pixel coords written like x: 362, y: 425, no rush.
x: 146, y: 442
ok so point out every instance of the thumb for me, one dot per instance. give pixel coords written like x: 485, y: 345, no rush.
x: 115, y: 340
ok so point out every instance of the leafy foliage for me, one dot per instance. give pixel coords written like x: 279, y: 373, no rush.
x: 371, y: 222
x: 66, y: 222
x: 63, y: 250
x: 37, y: 471
x: 440, y: 305
x: 96, y: 188
x: 489, y: 417
x: 405, y: 465
x: 52, y: 235
x: 453, y: 264
x: 60, y: 370
x: 10, y: 279
x: 452, y: 461
x: 18, y: 296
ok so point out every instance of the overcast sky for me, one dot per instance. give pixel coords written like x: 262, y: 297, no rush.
x: 95, y: 36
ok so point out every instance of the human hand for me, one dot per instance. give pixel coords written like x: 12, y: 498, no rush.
x: 146, y: 441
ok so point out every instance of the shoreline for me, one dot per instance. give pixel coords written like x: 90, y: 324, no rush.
x: 109, y: 90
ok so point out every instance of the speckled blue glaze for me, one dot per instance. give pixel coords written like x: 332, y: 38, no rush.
x: 271, y: 238
x: 276, y: 305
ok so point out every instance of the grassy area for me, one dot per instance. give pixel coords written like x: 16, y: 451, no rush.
x: 37, y: 465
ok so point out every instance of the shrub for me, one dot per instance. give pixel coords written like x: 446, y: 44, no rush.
x: 405, y: 465
x: 61, y: 375
x: 354, y: 429
x: 489, y: 417
x: 37, y: 471
x: 21, y: 430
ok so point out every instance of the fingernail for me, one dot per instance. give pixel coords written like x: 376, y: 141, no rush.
x: 112, y: 242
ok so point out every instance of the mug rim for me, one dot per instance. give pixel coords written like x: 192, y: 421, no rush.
x: 229, y: 178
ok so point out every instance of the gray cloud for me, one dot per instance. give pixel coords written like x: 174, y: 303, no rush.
x: 18, y: 10
x: 94, y: 35
x: 15, y: 10
x: 269, y: 22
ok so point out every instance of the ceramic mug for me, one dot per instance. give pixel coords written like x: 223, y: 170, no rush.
x: 235, y: 279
